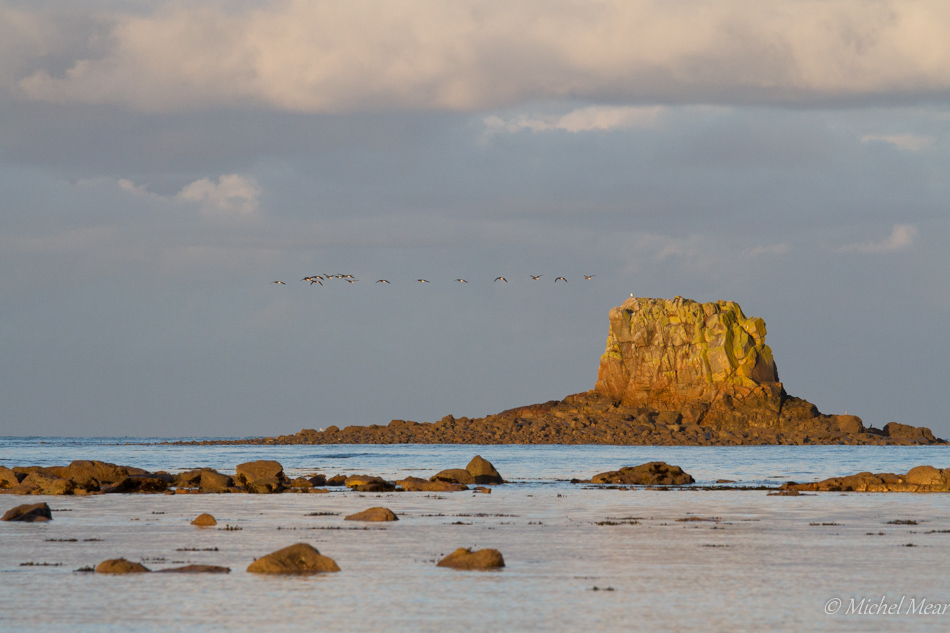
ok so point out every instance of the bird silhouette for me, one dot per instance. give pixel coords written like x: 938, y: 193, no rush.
x: 560, y: 279
x: 423, y: 281
x: 589, y: 277
x: 279, y: 282
x: 536, y: 277
x: 501, y: 278
x: 461, y: 281
x: 381, y: 281
x: 315, y: 281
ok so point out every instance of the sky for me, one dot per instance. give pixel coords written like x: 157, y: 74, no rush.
x: 161, y: 163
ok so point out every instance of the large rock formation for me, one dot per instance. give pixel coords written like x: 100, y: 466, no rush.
x: 672, y: 355
x: 675, y: 372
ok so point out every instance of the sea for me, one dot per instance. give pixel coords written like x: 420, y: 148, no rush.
x: 578, y: 557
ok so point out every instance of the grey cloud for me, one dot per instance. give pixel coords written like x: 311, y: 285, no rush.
x: 333, y: 57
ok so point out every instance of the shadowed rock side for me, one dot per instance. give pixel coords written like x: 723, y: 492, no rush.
x: 675, y: 372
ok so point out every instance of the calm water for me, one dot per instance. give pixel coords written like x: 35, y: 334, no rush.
x: 760, y: 565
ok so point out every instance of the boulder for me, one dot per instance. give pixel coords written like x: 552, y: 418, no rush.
x: 415, y: 484
x: 213, y: 481
x: 263, y: 486
x: 904, y: 431
x: 650, y: 474
x: 296, y: 559
x: 120, y: 566
x: 93, y: 474
x: 463, y: 558
x: 149, y: 483
x: 189, y: 478
x: 483, y: 471
x: 367, y: 483
x: 8, y: 478
x: 261, y: 469
x: 32, y: 513
x: 204, y: 520
x: 373, y: 514
x: 848, y: 423
x: 336, y: 480
x: 318, y: 480
x: 301, y: 483
x: 42, y: 483
x: 126, y: 484
x: 454, y: 476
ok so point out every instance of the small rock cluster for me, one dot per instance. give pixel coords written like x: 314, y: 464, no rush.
x: 919, y: 479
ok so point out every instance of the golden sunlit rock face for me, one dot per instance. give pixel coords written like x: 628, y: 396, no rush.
x: 668, y: 353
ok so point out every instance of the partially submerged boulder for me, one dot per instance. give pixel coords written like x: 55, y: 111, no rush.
x: 918, y: 479
x: 31, y: 513
x: 373, y: 514
x: 649, y: 474
x: 204, y: 520
x: 300, y: 558
x: 120, y: 566
x: 464, y: 558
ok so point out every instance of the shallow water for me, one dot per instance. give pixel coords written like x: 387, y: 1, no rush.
x: 759, y: 565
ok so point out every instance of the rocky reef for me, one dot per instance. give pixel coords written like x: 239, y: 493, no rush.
x: 675, y: 372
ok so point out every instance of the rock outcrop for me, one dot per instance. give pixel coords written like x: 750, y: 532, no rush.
x: 204, y: 520
x: 674, y: 372
x: 919, y: 479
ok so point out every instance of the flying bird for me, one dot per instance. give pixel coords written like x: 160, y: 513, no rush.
x: 279, y: 282
x: 502, y: 278
x: 461, y: 281
x: 423, y: 281
x: 560, y: 279
x: 353, y: 281
x: 381, y: 281
x: 536, y: 277
x: 589, y: 277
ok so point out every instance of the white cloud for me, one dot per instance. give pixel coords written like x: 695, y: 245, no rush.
x: 231, y: 195
x: 901, y: 237
x: 323, y: 56
x: 131, y: 187
x: 767, y: 250
x: 909, y: 142
x: 593, y: 118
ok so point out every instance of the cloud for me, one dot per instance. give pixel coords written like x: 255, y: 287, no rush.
x: 909, y: 142
x: 321, y: 56
x: 231, y: 195
x: 900, y: 238
x: 131, y: 187
x: 767, y: 250
x: 593, y: 118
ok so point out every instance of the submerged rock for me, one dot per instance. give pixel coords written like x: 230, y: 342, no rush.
x: 262, y: 469
x: 300, y: 558
x: 464, y: 558
x: 31, y: 513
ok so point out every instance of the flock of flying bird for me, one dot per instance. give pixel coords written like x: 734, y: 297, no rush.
x: 319, y: 279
